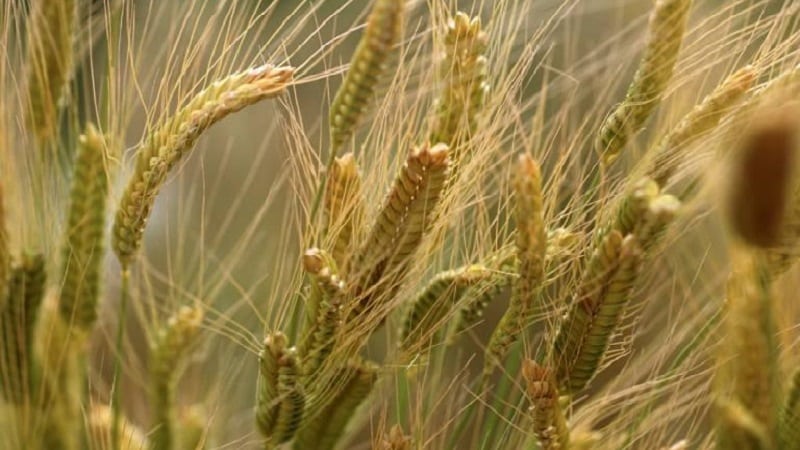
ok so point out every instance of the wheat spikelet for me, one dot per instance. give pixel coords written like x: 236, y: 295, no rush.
x: 666, y: 29
x: 698, y: 122
x: 789, y: 432
x: 583, y: 336
x: 167, y: 354
x: 173, y: 139
x: 49, y: 62
x: 369, y: 64
x: 323, y: 318
x: 344, y: 208
x: 531, y: 252
x: 322, y: 430
x: 406, y: 217
x: 549, y: 424
x: 436, y: 300
x: 83, y: 247
x: 17, y: 323
x: 463, y: 73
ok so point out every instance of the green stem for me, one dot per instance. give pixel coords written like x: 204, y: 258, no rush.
x: 116, y: 392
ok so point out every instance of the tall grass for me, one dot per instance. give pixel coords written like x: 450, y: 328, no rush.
x: 399, y: 224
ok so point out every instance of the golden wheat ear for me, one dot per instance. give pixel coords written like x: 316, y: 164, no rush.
x: 603, y: 293
x: 531, y: 251
x: 789, y: 431
x: 49, y: 59
x: 344, y: 208
x: 17, y: 324
x: 665, y: 36
x: 463, y: 76
x: 98, y: 430
x: 369, y: 64
x: 280, y: 404
x: 171, y: 141
x: 405, y: 219
x: 549, y: 422
x: 168, y: 353
x: 701, y: 120
x: 322, y: 429
x: 83, y: 246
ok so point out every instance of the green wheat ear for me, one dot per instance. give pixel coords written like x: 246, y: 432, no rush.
x: 463, y: 75
x: 322, y: 429
x: 531, y: 252
x: 49, y: 59
x: 406, y: 217
x: 280, y: 403
x: 170, y: 142
x: 369, y: 64
x: 601, y: 298
x: 17, y: 324
x: 789, y: 432
x: 168, y: 353
x: 665, y: 35
x: 549, y: 423
x: 83, y: 246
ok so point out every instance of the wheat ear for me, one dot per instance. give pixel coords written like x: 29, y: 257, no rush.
x: 463, y: 75
x: 280, y: 402
x: 17, y: 324
x: 665, y: 35
x: 322, y: 430
x: 405, y: 218
x: 98, y: 430
x: 167, y: 354
x: 51, y: 29
x: 789, y: 432
x: 326, y: 317
x: 531, y: 251
x: 83, y: 246
x: 702, y: 119
x: 344, y: 208
x: 549, y: 423
x: 369, y: 64
x: 433, y: 304
x: 749, y: 367
x: 604, y: 291
x: 395, y: 439
x: 172, y: 140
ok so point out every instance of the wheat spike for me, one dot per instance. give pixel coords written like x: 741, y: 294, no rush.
x: 172, y: 140
x: 665, y: 36
x: 83, y: 247
x: 167, y: 354
x: 698, y: 122
x: 17, y: 323
x: 463, y: 75
x: 749, y: 367
x: 344, y: 208
x: 789, y: 432
x: 369, y: 64
x: 49, y: 59
x: 322, y: 430
x: 405, y: 218
x: 436, y: 301
x: 605, y: 289
x: 549, y: 423
x: 280, y: 402
x: 531, y: 251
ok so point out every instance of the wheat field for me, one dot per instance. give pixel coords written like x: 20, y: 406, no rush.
x: 399, y: 224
